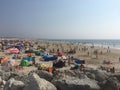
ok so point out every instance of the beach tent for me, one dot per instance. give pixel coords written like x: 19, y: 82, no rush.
x: 30, y: 54
x: 18, y: 47
x: 8, y: 63
x: 29, y: 51
x: 47, y: 57
x: 14, y: 50
x: 28, y: 58
x: 24, y: 63
x: 37, y: 53
x: 59, y: 64
x: 78, y: 62
x: 40, y: 52
x: 4, y: 59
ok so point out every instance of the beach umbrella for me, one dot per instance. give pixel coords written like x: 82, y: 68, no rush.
x: 14, y: 50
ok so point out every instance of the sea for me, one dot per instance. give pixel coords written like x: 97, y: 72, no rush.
x: 111, y: 43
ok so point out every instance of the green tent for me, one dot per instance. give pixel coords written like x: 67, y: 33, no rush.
x: 37, y: 53
x: 24, y: 63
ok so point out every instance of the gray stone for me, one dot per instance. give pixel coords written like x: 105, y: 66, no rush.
x: 70, y: 73
x: 99, y: 74
x: 9, y: 84
x: 17, y: 85
x: 43, y: 74
x: 70, y: 83
x: 111, y: 84
x: 1, y: 81
x: 13, y: 84
x: 90, y: 75
x: 34, y: 82
x: 5, y: 75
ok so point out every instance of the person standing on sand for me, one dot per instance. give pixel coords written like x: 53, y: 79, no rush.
x: 101, y: 52
x: 69, y: 60
x: 108, y: 49
x: 88, y: 53
x: 96, y: 53
x: 119, y: 59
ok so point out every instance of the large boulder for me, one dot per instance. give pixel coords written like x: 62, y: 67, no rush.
x: 72, y: 83
x: 91, y: 75
x: 111, y: 84
x: 5, y: 75
x: 99, y: 75
x: 70, y: 73
x: 117, y: 75
x: 1, y: 80
x: 43, y: 74
x: 34, y: 82
x: 13, y: 84
x: 73, y: 73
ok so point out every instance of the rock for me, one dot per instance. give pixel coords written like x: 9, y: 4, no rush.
x: 71, y: 83
x: 1, y: 88
x: 99, y: 75
x: 70, y: 73
x: 8, y: 84
x: 1, y: 73
x: 43, y: 74
x: 1, y: 84
x: 90, y: 75
x: 117, y: 75
x: 17, y: 85
x: 111, y: 84
x: 34, y: 82
x: 5, y: 75
x: 7, y: 69
x: 1, y: 81
x: 13, y: 84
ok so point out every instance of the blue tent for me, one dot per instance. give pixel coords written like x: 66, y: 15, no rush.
x: 78, y: 62
x: 28, y: 58
x: 47, y: 57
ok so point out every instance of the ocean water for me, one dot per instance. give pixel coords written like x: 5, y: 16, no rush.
x: 112, y: 43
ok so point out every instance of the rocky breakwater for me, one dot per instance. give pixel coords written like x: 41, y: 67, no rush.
x: 61, y: 80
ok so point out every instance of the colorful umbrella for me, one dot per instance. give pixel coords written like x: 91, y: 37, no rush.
x: 14, y: 50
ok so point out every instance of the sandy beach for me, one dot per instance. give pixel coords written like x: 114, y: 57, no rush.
x: 95, y: 57
x: 83, y: 52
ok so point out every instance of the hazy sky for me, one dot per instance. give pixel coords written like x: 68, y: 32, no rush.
x: 60, y: 19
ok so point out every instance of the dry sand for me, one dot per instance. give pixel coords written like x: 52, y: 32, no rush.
x: 91, y: 60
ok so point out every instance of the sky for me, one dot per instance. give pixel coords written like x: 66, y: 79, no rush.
x: 60, y: 19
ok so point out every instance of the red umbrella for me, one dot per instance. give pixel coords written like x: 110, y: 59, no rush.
x: 14, y: 50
